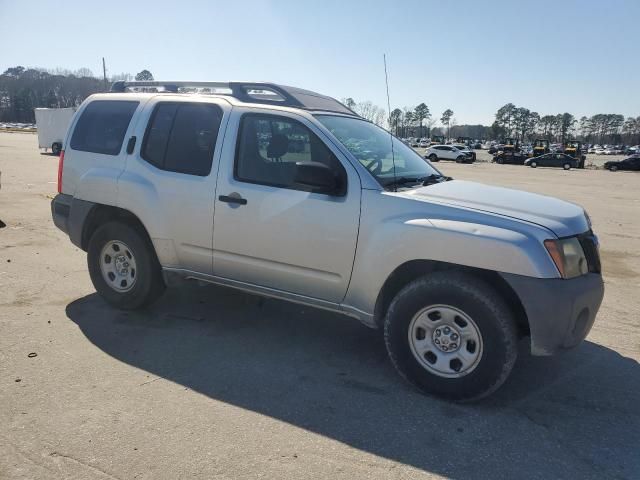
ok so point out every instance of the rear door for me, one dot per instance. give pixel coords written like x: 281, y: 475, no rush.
x: 268, y: 231
x: 170, y: 177
x: 94, y: 148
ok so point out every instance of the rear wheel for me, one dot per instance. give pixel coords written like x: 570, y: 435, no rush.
x: 533, y: 164
x: 567, y: 166
x: 450, y: 334
x: 123, y: 266
x: 56, y: 148
x: 433, y: 157
x: 613, y: 168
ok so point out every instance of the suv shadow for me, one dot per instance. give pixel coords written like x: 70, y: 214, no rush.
x: 576, y: 415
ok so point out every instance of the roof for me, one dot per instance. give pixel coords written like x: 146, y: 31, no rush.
x: 249, y: 92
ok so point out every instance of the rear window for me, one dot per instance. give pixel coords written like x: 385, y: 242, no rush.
x: 181, y: 137
x: 102, y: 126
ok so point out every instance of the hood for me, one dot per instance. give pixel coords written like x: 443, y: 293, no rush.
x: 562, y: 218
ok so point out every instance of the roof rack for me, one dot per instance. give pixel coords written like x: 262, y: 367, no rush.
x: 250, y: 92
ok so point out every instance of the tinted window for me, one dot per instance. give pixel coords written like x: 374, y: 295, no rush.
x: 181, y: 137
x: 102, y: 126
x: 158, y: 134
x: 270, y: 146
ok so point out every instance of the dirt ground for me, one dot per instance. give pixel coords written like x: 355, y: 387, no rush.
x: 213, y: 383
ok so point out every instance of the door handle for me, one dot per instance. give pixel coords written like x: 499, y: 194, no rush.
x: 131, y: 144
x: 233, y: 198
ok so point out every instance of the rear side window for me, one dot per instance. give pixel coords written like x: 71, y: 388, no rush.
x: 181, y: 137
x: 102, y: 126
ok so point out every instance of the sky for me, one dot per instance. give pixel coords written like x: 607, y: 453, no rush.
x: 581, y: 57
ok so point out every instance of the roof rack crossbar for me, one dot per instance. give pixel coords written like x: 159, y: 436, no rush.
x: 121, y: 86
x: 250, y: 92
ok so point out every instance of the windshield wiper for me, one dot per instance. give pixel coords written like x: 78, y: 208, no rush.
x: 399, y: 181
x: 434, y: 178
x: 422, y: 181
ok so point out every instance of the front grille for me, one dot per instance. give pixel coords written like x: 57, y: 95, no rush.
x: 589, y: 244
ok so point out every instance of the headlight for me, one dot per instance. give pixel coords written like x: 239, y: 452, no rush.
x: 568, y: 256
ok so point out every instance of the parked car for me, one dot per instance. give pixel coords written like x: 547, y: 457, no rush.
x: 553, y: 160
x: 631, y: 163
x: 423, y: 143
x: 610, y: 151
x: 453, y: 272
x: 632, y: 150
x: 512, y: 158
x: 436, y: 153
x: 468, y: 151
x: 495, y: 148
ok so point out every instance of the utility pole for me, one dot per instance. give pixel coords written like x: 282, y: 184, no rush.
x: 104, y: 74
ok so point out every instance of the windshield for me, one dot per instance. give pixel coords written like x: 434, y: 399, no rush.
x: 371, y: 145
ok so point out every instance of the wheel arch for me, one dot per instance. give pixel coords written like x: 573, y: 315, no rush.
x: 414, y: 269
x: 100, y: 214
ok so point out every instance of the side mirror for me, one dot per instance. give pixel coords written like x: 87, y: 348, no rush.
x: 316, y: 176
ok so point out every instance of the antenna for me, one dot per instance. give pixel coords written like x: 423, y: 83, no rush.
x: 393, y: 156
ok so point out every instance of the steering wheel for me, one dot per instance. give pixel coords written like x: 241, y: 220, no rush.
x: 375, y: 167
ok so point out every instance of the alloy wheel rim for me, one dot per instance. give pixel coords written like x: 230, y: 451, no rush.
x: 445, y: 341
x: 118, y: 266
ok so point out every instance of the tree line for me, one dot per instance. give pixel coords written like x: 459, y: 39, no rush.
x: 523, y: 124
x: 23, y: 89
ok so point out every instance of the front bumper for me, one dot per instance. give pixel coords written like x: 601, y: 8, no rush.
x: 560, y: 312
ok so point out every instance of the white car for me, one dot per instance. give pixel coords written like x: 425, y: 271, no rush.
x: 610, y: 151
x: 423, y: 144
x: 447, y: 152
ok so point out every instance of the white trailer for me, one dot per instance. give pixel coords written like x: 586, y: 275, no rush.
x: 52, y: 125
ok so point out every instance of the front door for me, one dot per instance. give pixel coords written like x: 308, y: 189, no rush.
x: 270, y: 232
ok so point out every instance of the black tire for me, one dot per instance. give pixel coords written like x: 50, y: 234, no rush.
x: 149, y: 284
x: 56, y: 148
x: 500, y: 161
x: 567, y: 166
x: 613, y: 168
x: 479, y: 301
x: 433, y: 157
x: 460, y: 159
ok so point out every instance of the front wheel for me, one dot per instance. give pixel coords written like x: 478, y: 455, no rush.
x: 567, y: 166
x: 533, y: 164
x: 123, y: 266
x: 450, y: 334
x: 460, y: 159
x: 613, y: 168
x: 56, y: 148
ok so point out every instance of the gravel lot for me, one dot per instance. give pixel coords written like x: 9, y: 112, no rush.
x: 213, y: 383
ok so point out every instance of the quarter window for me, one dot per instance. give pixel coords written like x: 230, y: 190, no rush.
x: 181, y: 137
x: 270, y: 146
x: 102, y: 126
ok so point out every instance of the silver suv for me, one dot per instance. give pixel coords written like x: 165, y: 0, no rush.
x: 287, y: 193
